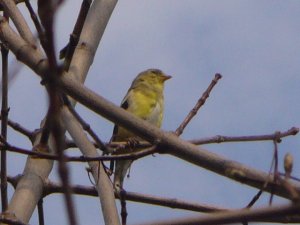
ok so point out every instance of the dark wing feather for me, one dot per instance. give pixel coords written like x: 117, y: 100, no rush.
x: 124, y: 105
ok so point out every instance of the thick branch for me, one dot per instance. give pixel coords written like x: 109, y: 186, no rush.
x: 52, y: 188
x: 238, y: 216
x: 103, y: 183
x: 16, y: 2
x: 168, y: 141
x: 11, y: 9
x: 29, y: 189
x: 22, y: 50
x: 174, y: 145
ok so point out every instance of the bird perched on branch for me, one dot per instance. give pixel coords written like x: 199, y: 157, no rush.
x: 145, y: 100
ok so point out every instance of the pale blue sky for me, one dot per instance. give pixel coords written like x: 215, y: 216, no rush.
x: 254, y: 44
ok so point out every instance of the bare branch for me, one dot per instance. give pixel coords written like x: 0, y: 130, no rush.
x: 23, y: 51
x: 11, y: 221
x: 102, y: 181
x: 68, y: 51
x: 17, y: 127
x: 266, y: 137
x: 37, y: 152
x: 168, y: 142
x: 4, y: 121
x: 37, y: 170
x: 52, y: 187
x: 34, y: 18
x: 87, y: 128
x: 41, y: 212
x: 196, y: 108
x: 11, y: 9
x: 238, y: 216
x: 16, y: 2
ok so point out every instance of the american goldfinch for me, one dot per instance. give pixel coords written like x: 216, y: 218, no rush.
x: 145, y: 100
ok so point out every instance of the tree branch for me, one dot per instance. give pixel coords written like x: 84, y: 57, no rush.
x: 169, y: 142
x: 4, y: 122
x: 11, y: 9
x: 29, y: 189
x: 102, y: 181
x: 237, y: 216
x: 53, y: 187
x: 200, y: 102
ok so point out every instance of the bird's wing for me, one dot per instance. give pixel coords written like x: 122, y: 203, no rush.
x: 124, y: 105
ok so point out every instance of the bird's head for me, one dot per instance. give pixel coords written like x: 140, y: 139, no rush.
x: 151, y: 77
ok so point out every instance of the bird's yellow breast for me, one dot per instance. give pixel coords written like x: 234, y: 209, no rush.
x: 146, y: 105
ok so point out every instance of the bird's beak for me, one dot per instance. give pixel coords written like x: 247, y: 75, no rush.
x: 166, y: 77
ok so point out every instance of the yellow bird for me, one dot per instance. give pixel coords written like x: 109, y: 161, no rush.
x: 145, y: 100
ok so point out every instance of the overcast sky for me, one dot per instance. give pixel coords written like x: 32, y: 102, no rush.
x: 254, y: 44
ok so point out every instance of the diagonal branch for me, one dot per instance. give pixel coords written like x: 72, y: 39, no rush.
x: 174, y: 145
x: 53, y: 187
x: 17, y: 127
x: 200, y: 102
x: 238, y: 216
x: 102, y: 181
x: 14, y: 13
x: 68, y: 51
x: 168, y: 141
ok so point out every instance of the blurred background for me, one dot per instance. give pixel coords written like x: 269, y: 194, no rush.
x: 254, y: 44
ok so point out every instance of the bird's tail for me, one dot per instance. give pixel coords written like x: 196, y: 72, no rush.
x: 121, y: 168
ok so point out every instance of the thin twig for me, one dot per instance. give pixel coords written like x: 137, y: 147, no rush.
x: 210, y: 140
x: 34, y: 19
x: 68, y: 51
x: 200, y: 102
x: 237, y: 216
x: 53, y: 188
x: 275, y: 157
x: 123, y: 207
x: 221, y: 138
x: 46, y: 12
x: 88, y: 128
x: 264, y: 186
x: 4, y: 121
x: 41, y: 212
x: 39, y: 152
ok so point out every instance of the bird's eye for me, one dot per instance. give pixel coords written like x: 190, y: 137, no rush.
x: 156, y: 72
